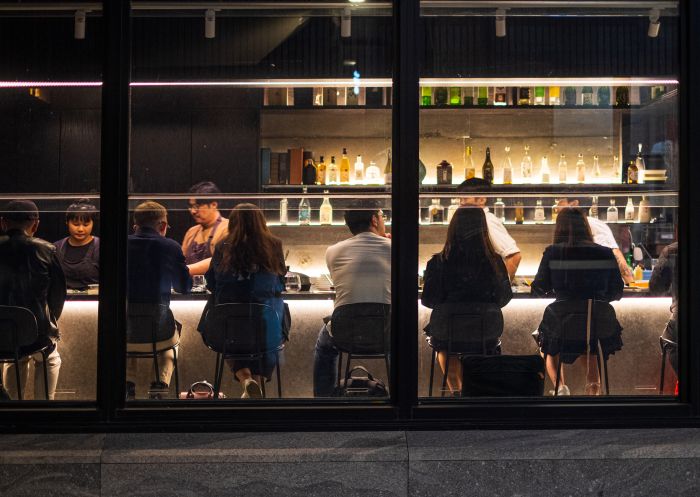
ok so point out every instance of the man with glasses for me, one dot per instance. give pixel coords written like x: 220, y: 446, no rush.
x: 200, y: 239
x: 360, y: 268
x: 155, y: 266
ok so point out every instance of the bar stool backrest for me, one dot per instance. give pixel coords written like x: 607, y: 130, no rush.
x: 468, y: 328
x: 149, y: 323
x: 362, y: 328
x: 18, y: 328
x: 243, y: 328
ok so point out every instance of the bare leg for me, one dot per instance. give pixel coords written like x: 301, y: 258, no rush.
x: 454, y: 378
x: 593, y: 378
x: 243, y: 374
x: 552, y: 361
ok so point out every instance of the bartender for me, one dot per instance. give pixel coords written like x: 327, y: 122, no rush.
x: 79, y: 252
x: 200, y: 240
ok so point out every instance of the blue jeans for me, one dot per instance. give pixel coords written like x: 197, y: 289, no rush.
x: 325, y: 364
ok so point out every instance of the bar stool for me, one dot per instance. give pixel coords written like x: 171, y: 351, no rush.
x: 18, y: 334
x: 667, y: 347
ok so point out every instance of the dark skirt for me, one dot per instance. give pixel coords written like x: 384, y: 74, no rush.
x: 550, y: 344
x: 262, y: 367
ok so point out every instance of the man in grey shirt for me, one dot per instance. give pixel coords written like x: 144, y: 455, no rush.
x: 360, y: 268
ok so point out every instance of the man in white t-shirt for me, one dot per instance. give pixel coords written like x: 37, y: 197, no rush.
x: 602, y: 235
x: 360, y: 268
x: 503, y: 243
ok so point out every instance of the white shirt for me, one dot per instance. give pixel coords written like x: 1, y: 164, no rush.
x: 503, y: 243
x: 360, y: 268
x: 602, y: 234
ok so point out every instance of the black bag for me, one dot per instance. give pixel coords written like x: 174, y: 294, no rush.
x: 361, y: 386
x: 502, y: 376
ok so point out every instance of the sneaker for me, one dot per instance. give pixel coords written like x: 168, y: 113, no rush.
x: 251, y: 389
x: 563, y: 390
x: 130, y: 390
x: 593, y: 388
x: 158, y: 390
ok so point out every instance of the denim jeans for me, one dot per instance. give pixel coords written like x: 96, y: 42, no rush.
x: 325, y: 364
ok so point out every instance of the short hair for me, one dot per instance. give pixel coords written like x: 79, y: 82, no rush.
x: 149, y: 213
x: 82, y: 210
x: 474, y: 185
x: 358, y: 215
x: 20, y: 213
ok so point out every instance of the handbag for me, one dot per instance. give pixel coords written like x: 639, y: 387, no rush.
x: 502, y: 376
x: 200, y: 390
x: 360, y: 386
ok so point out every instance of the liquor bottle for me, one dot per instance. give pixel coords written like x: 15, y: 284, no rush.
x: 622, y: 97
x: 507, y: 168
x: 309, y: 173
x: 632, y: 173
x: 569, y: 96
x: 593, y: 211
x: 539, y: 213
x: 638, y: 273
x: 469, y: 170
x: 563, y: 169
x: 325, y: 212
x: 444, y: 173
x: 468, y: 95
x: 321, y: 172
x: 373, y: 176
x: 344, y: 168
x: 387, y: 168
x: 284, y: 208
x: 526, y: 166
x: 483, y: 95
x: 604, y: 96
x: 499, y: 97
x: 580, y: 169
x: 555, y: 210
x: 454, y: 205
x: 544, y: 170
x: 332, y: 176
x: 539, y: 95
x: 616, y: 168
x: 524, y: 95
x: 499, y: 210
x: 440, y: 96
x: 639, y: 162
x: 596, y: 167
x: 612, y: 212
x: 587, y: 95
x: 644, y: 213
x: 359, y: 176
x: 437, y: 213
x: 487, y: 168
x: 304, y: 210
x: 629, y: 210
x: 426, y: 96
x: 455, y: 95
x: 554, y: 95
x: 519, y: 213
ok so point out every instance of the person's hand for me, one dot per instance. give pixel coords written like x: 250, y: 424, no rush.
x: 387, y: 235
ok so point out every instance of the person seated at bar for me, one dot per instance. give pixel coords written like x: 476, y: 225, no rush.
x: 31, y: 277
x: 574, y: 267
x: 664, y: 280
x: 79, y: 252
x: 502, y: 243
x: 360, y: 268
x: 602, y: 235
x: 467, y: 270
x: 248, y: 267
x: 200, y: 240
x: 155, y: 265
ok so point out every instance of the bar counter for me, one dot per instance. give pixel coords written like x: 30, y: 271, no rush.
x: 633, y: 371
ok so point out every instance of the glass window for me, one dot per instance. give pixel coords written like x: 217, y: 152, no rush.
x: 549, y: 148
x: 50, y: 122
x: 260, y: 196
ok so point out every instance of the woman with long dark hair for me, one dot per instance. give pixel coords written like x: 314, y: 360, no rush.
x: 248, y: 267
x: 576, y: 268
x: 467, y: 270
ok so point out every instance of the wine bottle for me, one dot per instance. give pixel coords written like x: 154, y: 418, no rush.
x: 487, y: 168
x: 469, y: 170
x: 321, y: 172
x: 387, y: 168
x: 444, y: 173
x: 309, y: 173
x: 526, y: 166
x: 507, y: 168
x: 563, y: 169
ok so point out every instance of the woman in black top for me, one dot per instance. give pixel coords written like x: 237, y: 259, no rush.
x: 466, y: 271
x: 576, y: 268
x: 79, y: 253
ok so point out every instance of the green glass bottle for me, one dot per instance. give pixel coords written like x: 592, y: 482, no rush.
x: 455, y: 95
x: 483, y: 98
x: 426, y: 96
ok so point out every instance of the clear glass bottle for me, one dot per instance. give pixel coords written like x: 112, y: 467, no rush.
x: 587, y: 95
x: 387, y: 168
x: 596, y: 167
x: 284, y: 211
x: 332, y: 173
x: 639, y: 162
x: 616, y: 171
x: 444, y: 173
x: 632, y: 173
x: 499, y: 210
x: 612, y: 216
x: 468, y: 95
x: 373, y: 176
x: 593, y: 211
x: 359, y: 176
x: 437, y: 213
x: 555, y: 210
x: 325, y: 212
x: 629, y: 210
x: 563, y: 169
x: 507, y: 168
x: 544, y: 170
x: 580, y: 169
x: 539, y: 212
x: 454, y: 205
x: 304, y: 210
x: 644, y: 212
x: 469, y: 169
x: 526, y: 166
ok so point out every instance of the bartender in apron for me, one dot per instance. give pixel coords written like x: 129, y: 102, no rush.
x: 79, y: 253
x: 200, y: 240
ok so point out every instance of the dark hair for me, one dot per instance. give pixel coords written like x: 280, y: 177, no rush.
x: 205, y: 187
x: 358, y: 215
x: 249, y: 244
x: 20, y: 214
x: 474, y: 185
x: 572, y: 227
x: 468, y: 239
x: 149, y: 213
x: 82, y: 211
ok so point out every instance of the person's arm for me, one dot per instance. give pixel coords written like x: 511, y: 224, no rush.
x: 542, y: 284
x: 181, y: 281
x: 625, y: 270
x: 200, y: 267
x: 512, y: 262
x: 503, y: 244
x: 503, y: 290
x: 615, y: 286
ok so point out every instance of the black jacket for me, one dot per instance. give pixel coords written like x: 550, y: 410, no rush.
x: 31, y: 277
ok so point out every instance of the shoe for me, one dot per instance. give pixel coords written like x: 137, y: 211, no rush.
x: 593, y: 388
x: 130, y: 390
x: 4, y: 394
x: 563, y: 390
x: 158, y: 390
x: 251, y: 389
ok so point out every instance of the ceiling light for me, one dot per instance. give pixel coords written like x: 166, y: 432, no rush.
x: 345, y: 24
x: 210, y: 24
x: 654, y: 23
x: 79, y: 25
x: 500, y: 23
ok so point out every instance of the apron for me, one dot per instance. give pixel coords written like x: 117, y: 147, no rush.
x: 199, y: 251
x: 84, y: 272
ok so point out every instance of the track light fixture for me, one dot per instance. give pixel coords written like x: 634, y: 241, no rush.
x: 210, y: 24
x: 654, y: 23
x: 79, y: 25
x: 345, y: 24
x: 500, y: 23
